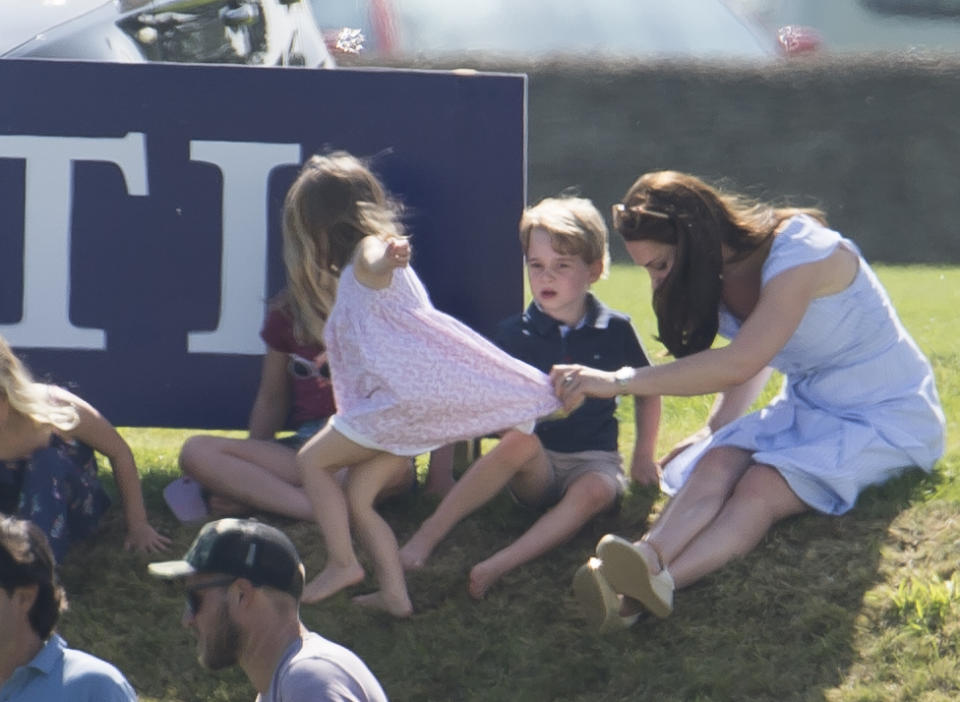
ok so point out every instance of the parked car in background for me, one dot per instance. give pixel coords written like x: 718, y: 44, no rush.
x: 395, y: 31
x: 857, y: 26
x: 254, y: 32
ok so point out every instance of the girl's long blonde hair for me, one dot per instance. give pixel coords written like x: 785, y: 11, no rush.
x: 31, y: 399
x: 334, y: 203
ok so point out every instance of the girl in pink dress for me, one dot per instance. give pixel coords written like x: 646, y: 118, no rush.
x: 407, y: 378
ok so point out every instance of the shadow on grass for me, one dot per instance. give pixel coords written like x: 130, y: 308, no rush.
x: 776, y: 625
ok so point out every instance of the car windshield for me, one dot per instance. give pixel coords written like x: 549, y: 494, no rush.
x: 616, y: 27
x: 538, y: 28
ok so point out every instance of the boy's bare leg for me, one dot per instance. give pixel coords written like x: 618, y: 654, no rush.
x: 365, y: 482
x: 587, y: 496
x: 318, y: 460
x: 517, y: 457
x: 440, y: 471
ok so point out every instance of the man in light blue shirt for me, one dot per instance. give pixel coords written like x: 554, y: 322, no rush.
x: 35, y: 663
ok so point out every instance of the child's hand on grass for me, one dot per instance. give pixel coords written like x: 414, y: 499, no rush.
x: 645, y: 471
x: 143, y: 538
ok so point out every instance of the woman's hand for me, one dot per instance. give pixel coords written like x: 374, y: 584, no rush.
x: 573, y: 384
x: 684, y: 444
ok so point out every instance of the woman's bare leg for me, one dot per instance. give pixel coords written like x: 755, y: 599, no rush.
x: 761, y: 498
x: 699, y: 501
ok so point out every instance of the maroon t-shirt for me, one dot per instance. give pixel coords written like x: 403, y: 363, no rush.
x: 312, y: 396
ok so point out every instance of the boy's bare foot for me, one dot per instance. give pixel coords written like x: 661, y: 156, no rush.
x: 415, y: 553
x: 482, y: 577
x: 330, y: 581
x: 397, y: 606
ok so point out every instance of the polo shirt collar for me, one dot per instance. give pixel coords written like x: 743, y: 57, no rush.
x: 49, y: 656
x: 597, y: 316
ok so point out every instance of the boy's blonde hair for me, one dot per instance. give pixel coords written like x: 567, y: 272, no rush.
x: 31, y: 399
x: 575, y: 226
x: 334, y: 202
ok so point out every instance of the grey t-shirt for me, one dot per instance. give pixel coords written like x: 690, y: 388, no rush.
x: 314, y: 669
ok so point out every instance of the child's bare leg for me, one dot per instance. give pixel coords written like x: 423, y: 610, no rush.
x: 440, y: 472
x: 249, y: 473
x: 319, y: 459
x: 587, y: 496
x: 364, y: 483
x: 516, y: 455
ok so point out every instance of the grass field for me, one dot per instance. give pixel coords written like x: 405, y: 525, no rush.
x: 854, y: 608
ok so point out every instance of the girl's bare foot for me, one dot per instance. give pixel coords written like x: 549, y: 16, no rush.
x: 397, y: 606
x: 330, y: 581
x: 482, y: 577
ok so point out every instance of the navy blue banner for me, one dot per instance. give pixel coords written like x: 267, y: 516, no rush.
x: 140, y: 211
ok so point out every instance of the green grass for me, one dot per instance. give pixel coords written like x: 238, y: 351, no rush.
x: 855, y: 608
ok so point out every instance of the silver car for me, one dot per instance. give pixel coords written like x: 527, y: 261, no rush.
x: 254, y: 32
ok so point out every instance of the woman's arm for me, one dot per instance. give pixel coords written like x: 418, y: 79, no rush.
x: 736, y: 401
x: 779, y: 310
x: 375, y: 260
x: 274, y: 396
x: 97, y: 433
x: 726, y: 407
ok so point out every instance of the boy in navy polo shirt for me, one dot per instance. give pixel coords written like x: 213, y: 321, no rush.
x: 570, y: 467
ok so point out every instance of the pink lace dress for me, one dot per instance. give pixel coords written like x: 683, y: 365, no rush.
x: 408, y: 378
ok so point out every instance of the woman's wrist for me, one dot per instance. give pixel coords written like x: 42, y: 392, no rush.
x: 622, y: 379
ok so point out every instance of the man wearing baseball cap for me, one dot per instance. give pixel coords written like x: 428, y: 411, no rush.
x: 243, y: 581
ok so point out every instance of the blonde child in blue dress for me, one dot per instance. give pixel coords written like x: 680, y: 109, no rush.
x: 48, y: 470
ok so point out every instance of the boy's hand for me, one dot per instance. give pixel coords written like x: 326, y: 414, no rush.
x: 398, y: 253
x: 645, y: 471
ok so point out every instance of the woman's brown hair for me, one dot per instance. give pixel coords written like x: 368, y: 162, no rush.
x: 684, y: 211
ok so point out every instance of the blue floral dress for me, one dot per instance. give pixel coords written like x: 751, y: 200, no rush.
x: 57, y: 489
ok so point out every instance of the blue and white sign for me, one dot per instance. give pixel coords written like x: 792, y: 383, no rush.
x: 140, y: 210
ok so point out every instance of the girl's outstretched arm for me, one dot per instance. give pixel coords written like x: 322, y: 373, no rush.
x: 95, y: 431
x: 375, y: 260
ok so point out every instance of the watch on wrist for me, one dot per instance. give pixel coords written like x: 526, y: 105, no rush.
x: 624, y: 376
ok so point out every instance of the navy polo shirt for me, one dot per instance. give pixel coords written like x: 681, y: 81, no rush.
x: 605, y: 340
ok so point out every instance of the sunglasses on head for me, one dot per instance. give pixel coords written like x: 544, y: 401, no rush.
x: 304, y: 368
x: 193, y: 598
x: 629, y: 217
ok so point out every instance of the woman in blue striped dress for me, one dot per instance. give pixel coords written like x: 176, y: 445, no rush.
x: 858, y: 404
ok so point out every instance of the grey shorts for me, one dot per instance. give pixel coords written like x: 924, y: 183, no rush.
x: 567, y: 467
